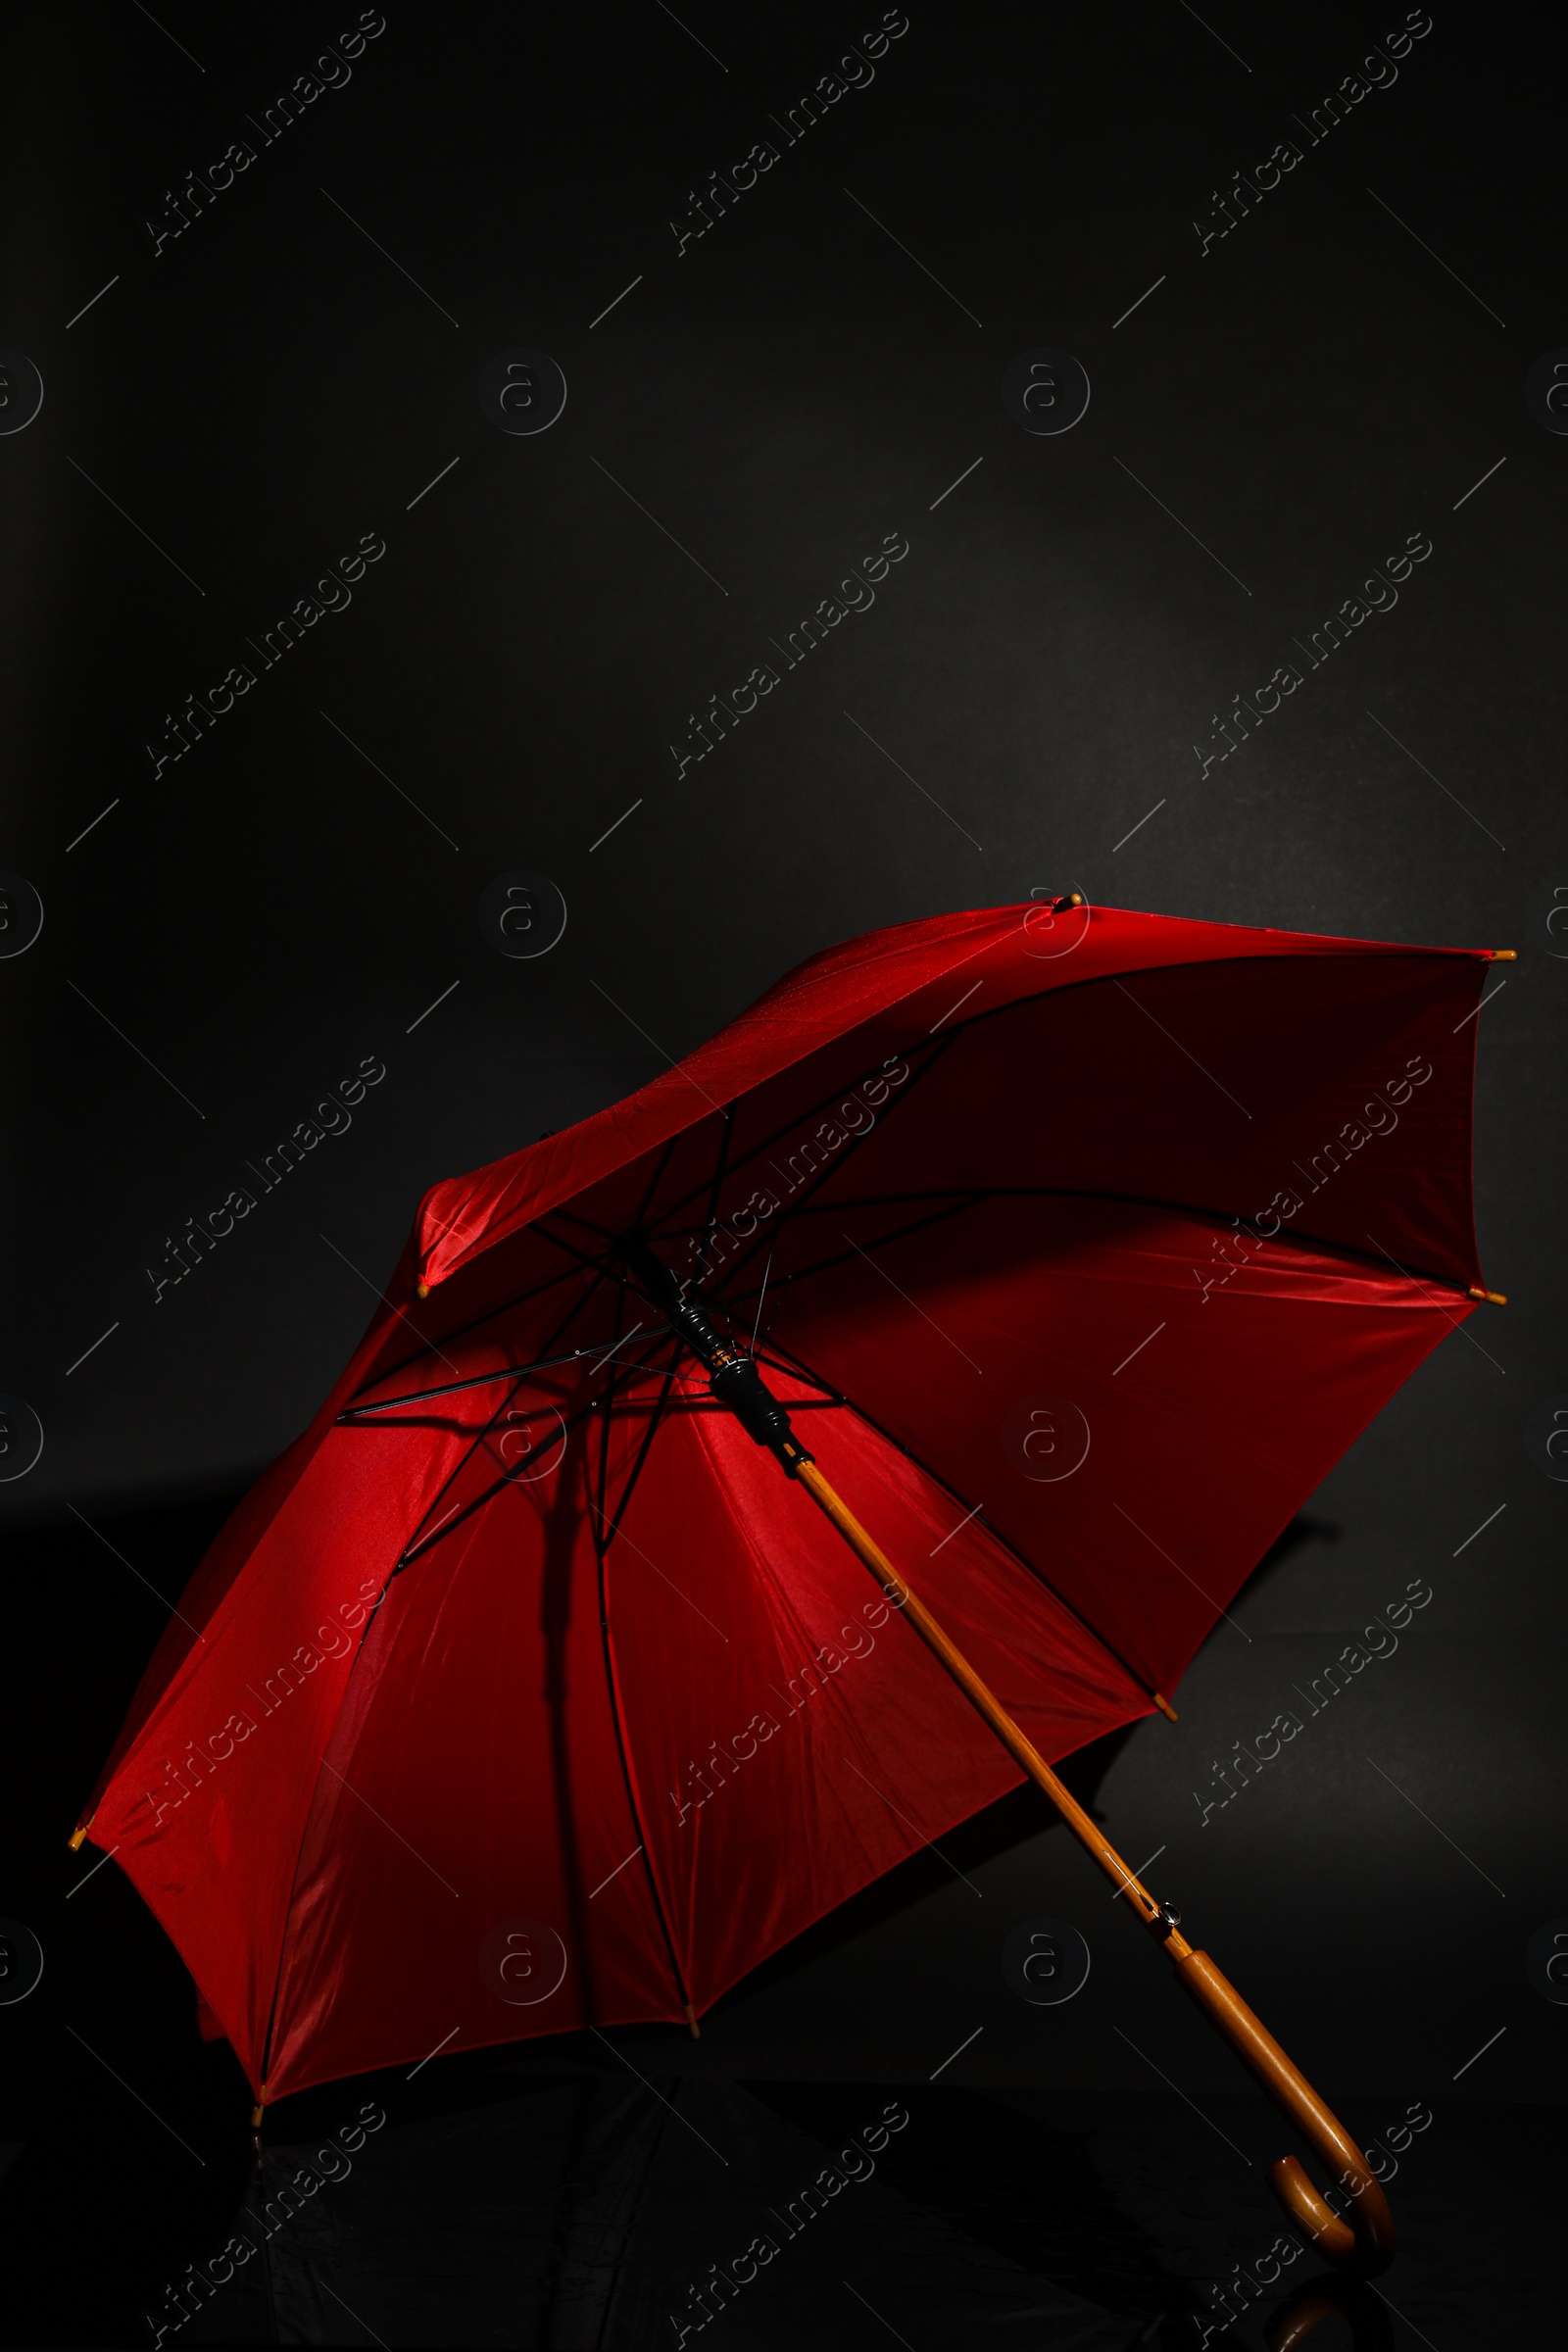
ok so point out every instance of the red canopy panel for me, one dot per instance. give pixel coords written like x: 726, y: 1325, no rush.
x: 803, y: 1738
x: 1093, y: 1306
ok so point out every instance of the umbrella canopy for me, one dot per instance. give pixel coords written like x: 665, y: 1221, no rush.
x: 523, y: 1693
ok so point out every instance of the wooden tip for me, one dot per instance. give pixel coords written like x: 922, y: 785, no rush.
x: 1166, y: 1707
x: 75, y: 1839
x: 257, y: 2113
x: 422, y: 1289
x: 1491, y: 1298
x: 1503, y: 955
x: 691, y: 2020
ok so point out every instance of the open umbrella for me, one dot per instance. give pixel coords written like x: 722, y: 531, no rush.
x: 1040, y: 1261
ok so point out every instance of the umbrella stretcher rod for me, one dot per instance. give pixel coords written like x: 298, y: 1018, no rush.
x: 1363, y: 2242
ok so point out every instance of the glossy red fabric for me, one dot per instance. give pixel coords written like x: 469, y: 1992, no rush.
x: 1080, y: 1245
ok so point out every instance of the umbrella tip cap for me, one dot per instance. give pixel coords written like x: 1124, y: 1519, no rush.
x: 1166, y: 1707
x: 422, y: 1289
x: 1503, y: 955
x: 1491, y: 1298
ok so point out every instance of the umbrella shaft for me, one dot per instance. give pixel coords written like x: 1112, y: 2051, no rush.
x: 983, y: 1698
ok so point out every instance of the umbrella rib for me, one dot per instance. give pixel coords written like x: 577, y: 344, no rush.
x: 477, y: 1380
x: 973, y: 1195
x: 457, y: 1518
x: 420, y: 1549
x: 762, y: 1296
x: 490, y: 1315
x: 598, y: 1265
x: 832, y: 1169
x: 719, y: 1164
x: 573, y: 1217
x: 479, y: 1436
x: 612, y: 1528
x: 659, y: 1174
x: 601, y: 1543
x: 933, y: 1055
x: 801, y: 1118
x: 604, y: 1401
x: 900, y: 1232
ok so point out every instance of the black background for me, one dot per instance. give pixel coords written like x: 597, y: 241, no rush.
x: 239, y: 929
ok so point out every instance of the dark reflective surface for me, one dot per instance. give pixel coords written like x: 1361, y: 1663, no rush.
x: 608, y: 2197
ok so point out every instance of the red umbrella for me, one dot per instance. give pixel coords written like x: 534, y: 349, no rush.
x: 1066, y: 1250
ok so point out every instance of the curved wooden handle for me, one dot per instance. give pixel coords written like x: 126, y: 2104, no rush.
x: 1363, y: 2243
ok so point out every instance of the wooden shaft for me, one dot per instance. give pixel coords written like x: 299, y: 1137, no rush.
x: 1364, y: 2242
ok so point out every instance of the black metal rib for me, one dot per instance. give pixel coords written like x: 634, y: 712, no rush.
x: 938, y: 1216
x: 595, y: 1265
x: 574, y: 1217
x: 816, y: 1184
x: 968, y: 1197
x: 478, y: 1380
x: 491, y: 1314
x: 568, y: 1422
x: 713, y: 1197
x: 658, y: 1176
x: 479, y: 1435
x: 601, y: 1545
x: 797, y: 1119
x: 661, y: 1404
